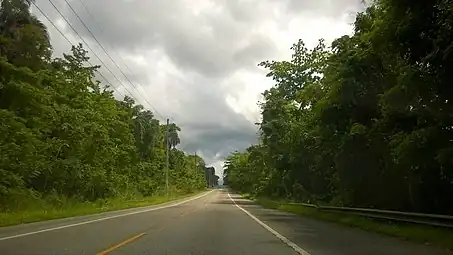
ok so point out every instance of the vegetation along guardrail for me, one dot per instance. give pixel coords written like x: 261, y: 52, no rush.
x: 409, y: 217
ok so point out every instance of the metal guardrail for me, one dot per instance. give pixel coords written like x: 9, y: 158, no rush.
x: 436, y: 220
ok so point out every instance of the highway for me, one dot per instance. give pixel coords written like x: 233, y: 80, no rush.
x: 214, y: 222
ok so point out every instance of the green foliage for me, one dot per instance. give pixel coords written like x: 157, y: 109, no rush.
x: 62, y: 135
x: 366, y: 122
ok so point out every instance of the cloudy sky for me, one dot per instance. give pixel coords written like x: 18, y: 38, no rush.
x: 195, y: 61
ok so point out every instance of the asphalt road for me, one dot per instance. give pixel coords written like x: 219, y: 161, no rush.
x: 211, y: 223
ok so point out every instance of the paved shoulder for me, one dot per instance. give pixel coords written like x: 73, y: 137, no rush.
x: 325, y: 238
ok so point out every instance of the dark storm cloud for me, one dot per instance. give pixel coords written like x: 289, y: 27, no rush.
x: 209, y: 125
x: 217, y: 141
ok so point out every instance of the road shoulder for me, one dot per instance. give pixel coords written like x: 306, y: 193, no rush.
x: 50, y: 225
x: 319, y: 237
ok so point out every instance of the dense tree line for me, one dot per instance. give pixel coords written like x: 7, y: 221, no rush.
x: 366, y: 122
x: 62, y: 133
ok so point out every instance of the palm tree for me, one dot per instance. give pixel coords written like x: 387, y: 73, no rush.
x: 173, y: 137
x: 145, y: 130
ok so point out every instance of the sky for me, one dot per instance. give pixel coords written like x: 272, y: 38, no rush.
x: 196, y: 61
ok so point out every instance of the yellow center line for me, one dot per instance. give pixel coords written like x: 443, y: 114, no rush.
x: 120, y: 244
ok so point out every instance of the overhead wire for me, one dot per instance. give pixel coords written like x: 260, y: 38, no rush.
x: 119, y: 55
x: 88, y: 46
x: 102, y: 31
x: 69, y: 41
x: 109, y: 56
x: 95, y: 54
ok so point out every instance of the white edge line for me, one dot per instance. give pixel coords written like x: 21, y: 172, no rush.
x: 275, y: 233
x: 105, y: 218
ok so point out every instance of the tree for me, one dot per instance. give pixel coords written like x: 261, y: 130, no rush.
x: 372, y: 111
x: 173, y: 137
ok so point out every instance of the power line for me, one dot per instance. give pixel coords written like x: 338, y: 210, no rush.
x: 78, y: 35
x: 69, y: 41
x: 110, y: 57
x: 122, y: 59
x: 102, y: 31
x: 88, y: 46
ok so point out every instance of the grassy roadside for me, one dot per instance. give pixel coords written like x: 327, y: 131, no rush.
x: 440, y: 237
x: 76, y: 208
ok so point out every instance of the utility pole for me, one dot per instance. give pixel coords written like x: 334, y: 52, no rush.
x: 166, y: 159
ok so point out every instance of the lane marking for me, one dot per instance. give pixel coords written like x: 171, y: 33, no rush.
x: 275, y: 233
x: 120, y: 244
x: 105, y: 218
